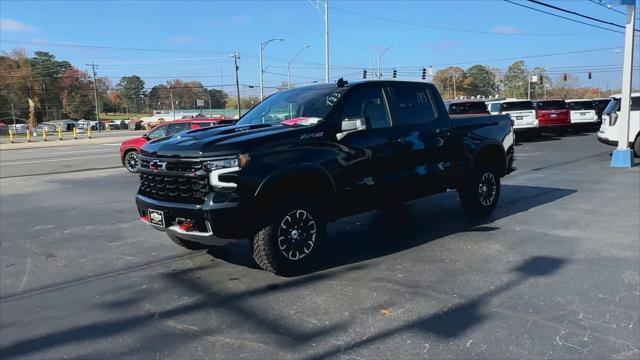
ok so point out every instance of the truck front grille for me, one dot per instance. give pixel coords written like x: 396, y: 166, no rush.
x: 173, y: 181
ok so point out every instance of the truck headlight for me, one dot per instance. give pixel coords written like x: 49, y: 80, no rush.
x: 223, y: 166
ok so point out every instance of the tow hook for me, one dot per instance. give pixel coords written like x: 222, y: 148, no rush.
x: 184, y: 224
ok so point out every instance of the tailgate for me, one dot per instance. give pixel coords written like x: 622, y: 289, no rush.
x: 523, y: 118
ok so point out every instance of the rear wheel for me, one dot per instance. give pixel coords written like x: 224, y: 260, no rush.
x: 131, y: 161
x: 480, y: 195
x: 290, y: 239
x: 636, y: 146
x: 189, y: 245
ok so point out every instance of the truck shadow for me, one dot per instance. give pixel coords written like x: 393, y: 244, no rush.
x: 380, y: 233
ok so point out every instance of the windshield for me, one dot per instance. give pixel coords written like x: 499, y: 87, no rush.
x: 472, y: 107
x: 303, y: 106
x: 551, y: 105
x: 581, y: 105
x: 517, y: 106
x: 614, y: 105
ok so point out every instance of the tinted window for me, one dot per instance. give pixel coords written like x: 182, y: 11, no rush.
x: 551, y: 105
x: 472, y: 107
x: 614, y: 105
x: 367, y: 102
x: 413, y: 105
x: 495, y: 107
x: 635, y: 103
x: 581, y: 105
x: 176, y: 128
x: 158, y: 132
x: 516, y: 106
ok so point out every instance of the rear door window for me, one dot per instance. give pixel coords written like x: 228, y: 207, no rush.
x: 581, y: 105
x: 472, y: 107
x: 412, y: 105
x: 516, y: 106
x: 176, y: 128
x: 158, y: 132
x: 551, y: 105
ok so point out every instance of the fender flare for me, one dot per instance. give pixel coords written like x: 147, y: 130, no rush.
x: 298, y: 169
x: 484, y: 145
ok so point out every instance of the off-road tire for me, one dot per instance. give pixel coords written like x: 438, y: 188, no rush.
x: 297, y: 214
x: 480, y: 194
x: 189, y: 245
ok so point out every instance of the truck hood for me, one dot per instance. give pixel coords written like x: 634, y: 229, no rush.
x: 222, y: 140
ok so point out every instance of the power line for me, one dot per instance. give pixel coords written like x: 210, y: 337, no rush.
x: 563, y: 17
x: 575, y: 13
x: 397, y: 21
x: 599, y: 3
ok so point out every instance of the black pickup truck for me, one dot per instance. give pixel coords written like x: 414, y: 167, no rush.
x: 308, y: 156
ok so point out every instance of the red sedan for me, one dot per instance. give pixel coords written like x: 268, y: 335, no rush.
x: 129, y: 149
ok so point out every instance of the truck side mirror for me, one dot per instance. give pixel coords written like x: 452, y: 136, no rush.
x: 146, y: 137
x: 355, y: 123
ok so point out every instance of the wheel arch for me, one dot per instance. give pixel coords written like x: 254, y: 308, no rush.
x: 126, y: 151
x: 310, y: 179
x: 491, y: 152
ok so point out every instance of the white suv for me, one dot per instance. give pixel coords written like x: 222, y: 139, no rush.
x: 609, y: 132
x: 522, y: 112
x: 583, y: 112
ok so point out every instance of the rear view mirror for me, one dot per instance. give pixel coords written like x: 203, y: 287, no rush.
x: 355, y: 123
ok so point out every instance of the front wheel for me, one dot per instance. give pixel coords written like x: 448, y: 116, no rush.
x: 636, y: 146
x: 131, y: 161
x: 290, y: 239
x: 480, y: 195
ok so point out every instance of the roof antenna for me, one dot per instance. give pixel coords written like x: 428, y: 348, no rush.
x: 341, y: 82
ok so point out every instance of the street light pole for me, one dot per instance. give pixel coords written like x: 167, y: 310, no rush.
x: 262, y: 46
x: 291, y: 62
x: 380, y: 54
x: 324, y: 12
x: 623, y: 156
x: 236, y: 57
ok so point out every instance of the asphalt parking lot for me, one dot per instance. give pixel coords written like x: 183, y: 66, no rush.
x: 553, y: 273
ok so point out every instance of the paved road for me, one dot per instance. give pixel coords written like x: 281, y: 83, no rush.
x: 554, y: 273
x: 39, y: 161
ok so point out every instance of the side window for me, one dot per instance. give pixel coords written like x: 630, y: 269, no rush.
x: 495, y: 107
x: 158, y: 132
x: 176, y: 128
x: 412, y: 105
x: 635, y: 104
x: 367, y: 102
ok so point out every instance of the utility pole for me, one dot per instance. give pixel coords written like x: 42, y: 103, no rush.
x: 95, y: 93
x: 173, y: 109
x: 262, y: 46
x: 324, y: 12
x: 13, y: 116
x: 46, y: 102
x: 291, y: 62
x: 236, y: 57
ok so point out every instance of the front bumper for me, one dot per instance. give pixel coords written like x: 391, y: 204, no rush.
x: 212, y: 224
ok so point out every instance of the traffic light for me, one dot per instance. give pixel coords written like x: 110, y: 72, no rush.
x: 589, y: 75
x: 364, y: 73
x: 395, y: 73
x: 564, y: 77
x: 424, y: 73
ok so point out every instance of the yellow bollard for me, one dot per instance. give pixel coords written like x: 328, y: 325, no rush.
x: 28, y: 135
x: 11, y: 136
x: 59, y: 133
x: 75, y: 133
x: 44, y: 134
x: 89, y: 131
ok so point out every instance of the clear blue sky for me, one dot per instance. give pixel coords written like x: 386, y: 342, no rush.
x: 203, y: 33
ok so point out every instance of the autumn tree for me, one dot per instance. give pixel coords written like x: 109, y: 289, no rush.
x: 218, y: 98
x: 77, y: 94
x: 451, y: 82
x: 15, y: 84
x: 131, y: 90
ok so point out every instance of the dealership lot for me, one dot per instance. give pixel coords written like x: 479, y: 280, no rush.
x: 554, y: 272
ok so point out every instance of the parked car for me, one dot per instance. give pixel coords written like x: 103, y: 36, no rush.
x: 467, y: 107
x: 609, y: 132
x: 48, y: 127
x: 278, y: 176
x: 583, y: 113
x: 521, y: 112
x: 129, y: 149
x: 600, y: 105
x: 553, y: 116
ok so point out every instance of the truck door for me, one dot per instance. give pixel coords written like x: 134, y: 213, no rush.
x: 366, y: 153
x: 424, y: 136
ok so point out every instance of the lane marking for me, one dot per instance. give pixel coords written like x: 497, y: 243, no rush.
x: 54, y: 160
x: 78, y: 152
